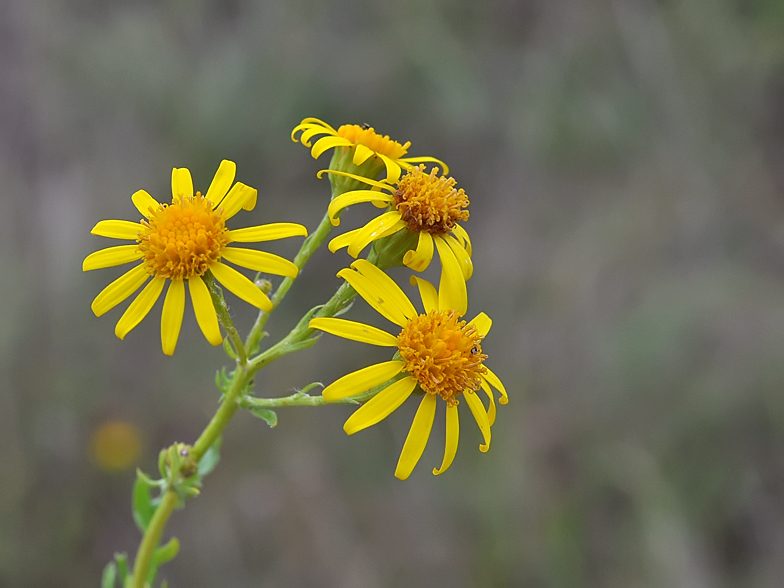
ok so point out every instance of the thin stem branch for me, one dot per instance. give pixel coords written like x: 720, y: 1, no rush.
x: 152, y: 537
x: 225, y: 319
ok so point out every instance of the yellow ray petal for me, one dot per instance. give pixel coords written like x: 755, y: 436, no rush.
x: 326, y: 143
x: 221, y: 183
x: 393, y: 169
x: 204, y: 310
x: 415, y: 160
x: 362, y: 380
x: 354, y: 331
x: 240, y: 196
x: 482, y: 322
x: 343, y: 240
x: 427, y: 292
x: 380, y: 406
x: 388, y: 285
x: 111, y: 256
x: 117, y: 229
x: 182, y: 183
x: 490, y: 411
x: 452, y: 436
x: 419, y: 260
x: 119, y: 289
x: 374, y: 296
x: 478, y: 410
x: 417, y: 437
x: 260, y: 261
x: 268, y: 232
x: 310, y: 131
x: 354, y: 197
x: 240, y: 286
x: 379, y: 185
x: 362, y: 154
x: 461, y: 255
x: 171, y: 318
x: 462, y: 234
x: 144, y: 202
x: 140, y: 307
x: 452, y: 294
x: 379, y: 227
x: 496, y: 383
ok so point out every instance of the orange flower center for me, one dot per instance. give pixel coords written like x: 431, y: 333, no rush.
x: 430, y: 203
x: 443, y: 353
x: 365, y: 135
x: 183, y: 239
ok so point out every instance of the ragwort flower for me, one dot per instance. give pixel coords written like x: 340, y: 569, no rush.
x: 181, y: 242
x: 438, y: 353
x: 424, y: 204
x: 362, y: 143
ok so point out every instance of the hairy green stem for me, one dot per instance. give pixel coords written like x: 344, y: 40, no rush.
x: 225, y: 319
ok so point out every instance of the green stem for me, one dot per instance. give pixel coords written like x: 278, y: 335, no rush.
x: 152, y: 537
x: 223, y: 316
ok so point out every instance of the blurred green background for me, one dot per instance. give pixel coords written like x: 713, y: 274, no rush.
x: 624, y: 162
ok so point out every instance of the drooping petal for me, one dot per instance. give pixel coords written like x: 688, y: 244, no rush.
x: 391, y: 289
x: 374, y: 295
x: 393, y: 169
x: 145, y: 203
x: 427, y: 292
x: 462, y: 234
x: 111, y: 256
x: 171, y: 318
x: 496, y: 383
x: 490, y: 411
x: 417, y: 437
x: 260, y: 261
x: 119, y: 289
x: 478, y: 410
x: 415, y: 160
x: 452, y: 293
x: 381, y: 226
x: 221, y: 183
x: 362, y: 154
x: 452, y: 436
x: 310, y: 132
x: 140, y: 307
x: 354, y: 331
x: 482, y: 322
x: 343, y: 240
x: 419, y: 260
x: 354, y: 197
x: 117, y: 229
x: 362, y: 380
x: 466, y: 265
x: 380, y: 185
x: 205, y: 310
x: 241, y: 286
x: 326, y: 143
x: 380, y: 406
x: 268, y: 232
x: 182, y: 183
x: 240, y: 196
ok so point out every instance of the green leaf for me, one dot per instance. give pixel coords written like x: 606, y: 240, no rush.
x: 109, y: 575
x: 229, y: 349
x: 310, y: 387
x: 211, y: 458
x: 143, y: 507
x: 122, y: 565
x: 168, y: 552
x: 265, y: 414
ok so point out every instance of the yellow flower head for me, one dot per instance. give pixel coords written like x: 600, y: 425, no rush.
x: 180, y: 242
x: 439, y: 354
x: 362, y: 143
x: 116, y: 446
x: 422, y: 203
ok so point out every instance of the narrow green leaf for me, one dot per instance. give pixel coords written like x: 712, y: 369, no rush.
x: 109, y: 575
x: 265, y: 414
x: 210, y: 458
x: 122, y: 566
x: 229, y: 349
x: 143, y: 508
x: 168, y: 552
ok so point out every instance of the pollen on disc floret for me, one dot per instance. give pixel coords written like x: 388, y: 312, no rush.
x: 181, y: 240
x: 443, y: 353
x: 430, y: 203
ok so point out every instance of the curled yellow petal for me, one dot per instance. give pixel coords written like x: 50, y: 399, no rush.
x: 375, y: 296
x: 462, y: 235
x: 427, y: 292
x: 362, y: 154
x: 417, y: 437
x: 241, y: 286
x: 466, y: 265
x: 388, y: 285
x: 117, y: 229
x: 221, y: 183
x: 354, y: 197
x: 140, y: 307
x: 205, y: 310
x: 380, y: 406
x: 260, y: 261
x: 496, y: 383
x: 490, y: 411
x: 240, y: 196
x: 419, y: 260
x: 268, y: 232
x: 482, y: 322
x: 354, y: 331
x: 119, y: 290
x: 393, y: 168
x: 111, y: 256
x: 144, y: 203
x: 480, y: 415
x: 171, y: 318
x: 452, y: 436
x: 362, y: 380
x: 343, y: 240
x: 452, y: 293
x: 326, y: 143
x: 408, y: 161
x: 378, y: 228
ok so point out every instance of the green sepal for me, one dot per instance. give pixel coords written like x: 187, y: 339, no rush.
x: 265, y: 414
x: 211, y: 458
x: 109, y: 575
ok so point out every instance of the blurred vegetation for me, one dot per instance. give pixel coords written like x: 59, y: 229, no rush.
x: 624, y: 161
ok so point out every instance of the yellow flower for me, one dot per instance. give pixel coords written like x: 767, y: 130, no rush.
x: 116, y: 446
x: 180, y: 242
x: 364, y: 142
x: 439, y: 353
x: 424, y: 204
